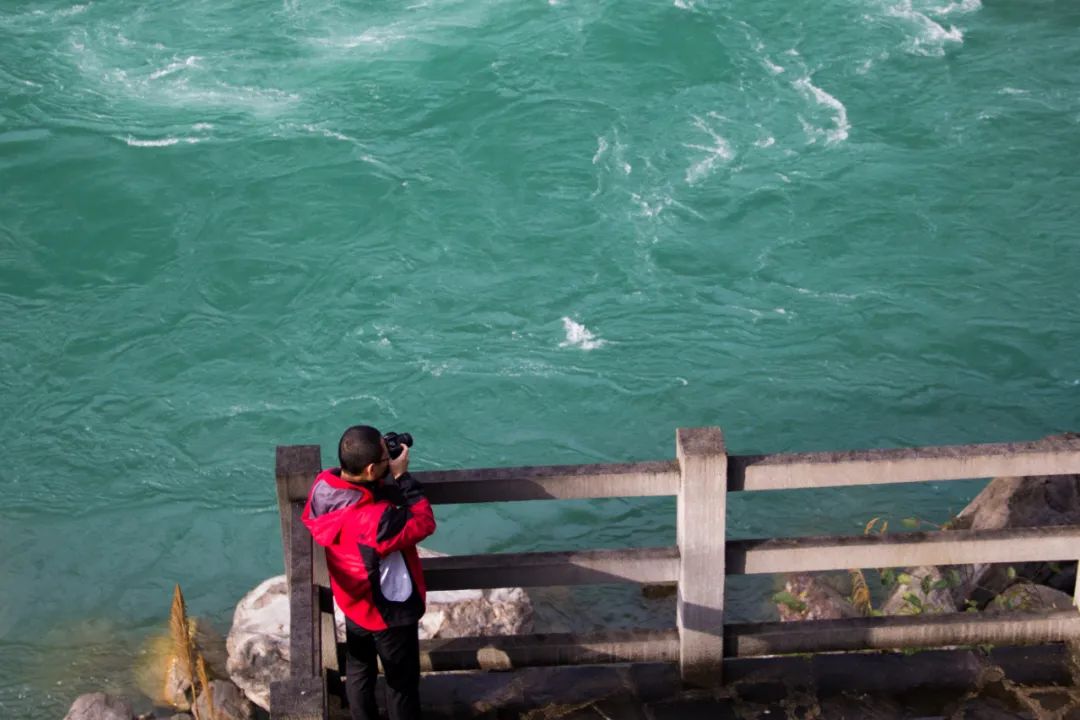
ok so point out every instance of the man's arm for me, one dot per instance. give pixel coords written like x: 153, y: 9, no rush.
x: 405, y: 526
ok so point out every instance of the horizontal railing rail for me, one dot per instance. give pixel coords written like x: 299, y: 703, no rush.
x: 553, y: 482
x: 945, y: 547
x: 584, y: 567
x: 699, y: 478
x: 1056, y: 455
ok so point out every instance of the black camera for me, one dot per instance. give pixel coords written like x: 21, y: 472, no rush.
x: 395, y: 441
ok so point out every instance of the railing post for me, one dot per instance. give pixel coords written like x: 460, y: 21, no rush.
x: 302, y: 695
x: 701, y: 529
x: 295, y: 469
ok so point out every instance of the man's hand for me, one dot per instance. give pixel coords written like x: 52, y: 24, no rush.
x: 400, y: 465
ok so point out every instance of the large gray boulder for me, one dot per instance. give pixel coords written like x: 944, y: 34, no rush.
x: 1006, y: 502
x: 99, y: 706
x: 1017, y: 502
x: 258, y: 643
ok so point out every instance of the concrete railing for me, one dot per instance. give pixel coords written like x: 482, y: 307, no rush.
x: 700, y: 478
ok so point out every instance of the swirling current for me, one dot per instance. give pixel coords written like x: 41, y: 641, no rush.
x: 527, y: 233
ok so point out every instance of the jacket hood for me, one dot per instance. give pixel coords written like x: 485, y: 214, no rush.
x: 330, y: 503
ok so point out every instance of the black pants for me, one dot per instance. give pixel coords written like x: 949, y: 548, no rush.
x: 399, y: 650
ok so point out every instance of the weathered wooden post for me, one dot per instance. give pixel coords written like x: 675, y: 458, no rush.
x: 302, y: 696
x: 701, y: 529
x: 295, y: 469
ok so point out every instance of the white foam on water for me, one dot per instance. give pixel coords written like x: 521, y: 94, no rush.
x: 650, y: 209
x: 615, y: 150
x: 1012, y: 91
x: 327, y: 133
x: 246, y: 97
x: 844, y: 297
x: 202, y: 126
x: 162, y: 142
x: 63, y: 12
x: 601, y: 148
x: 377, y: 37
x: 839, y: 131
x: 684, y: 5
x: 963, y: 6
x: 773, y: 67
x: 765, y: 142
x: 168, y: 86
x: 175, y: 66
x: 932, y: 36
x: 579, y: 336
x: 719, y: 151
x: 659, y: 201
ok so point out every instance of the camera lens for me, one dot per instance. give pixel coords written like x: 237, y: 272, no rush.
x: 395, y: 441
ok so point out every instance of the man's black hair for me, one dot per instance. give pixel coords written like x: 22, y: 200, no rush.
x: 360, y: 446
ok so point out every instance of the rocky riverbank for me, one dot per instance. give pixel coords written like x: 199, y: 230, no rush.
x: 1006, y: 502
x: 256, y: 652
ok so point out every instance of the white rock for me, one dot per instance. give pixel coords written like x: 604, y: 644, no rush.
x: 258, y: 643
x: 464, y: 613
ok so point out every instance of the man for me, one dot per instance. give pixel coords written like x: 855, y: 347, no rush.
x: 370, y: 529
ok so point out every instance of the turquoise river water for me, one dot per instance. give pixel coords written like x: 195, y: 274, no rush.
x: 527, y: 232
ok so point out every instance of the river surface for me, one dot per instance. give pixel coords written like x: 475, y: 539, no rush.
x: 526, y: 232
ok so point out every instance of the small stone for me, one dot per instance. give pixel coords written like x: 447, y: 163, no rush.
x: 1026, y: 596
x: 814, y: 598
x: 99, y: 706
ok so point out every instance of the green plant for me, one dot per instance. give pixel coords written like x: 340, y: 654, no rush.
x: 891, y: 578
x: 789, y: 601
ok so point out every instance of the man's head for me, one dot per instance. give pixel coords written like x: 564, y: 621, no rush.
x: 362, y: 454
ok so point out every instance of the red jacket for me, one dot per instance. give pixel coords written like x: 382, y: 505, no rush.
x: 370, y: 532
